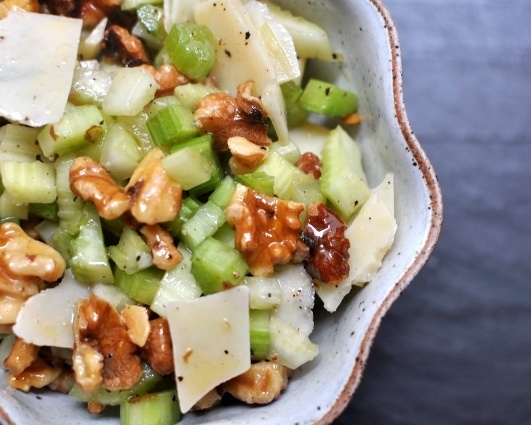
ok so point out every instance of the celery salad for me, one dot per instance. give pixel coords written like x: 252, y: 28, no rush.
x: 170, y: 208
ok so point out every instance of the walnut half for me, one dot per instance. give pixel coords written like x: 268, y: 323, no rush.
x: 267, y: 228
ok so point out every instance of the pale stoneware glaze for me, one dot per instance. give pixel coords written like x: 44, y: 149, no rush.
x: 364, y: 32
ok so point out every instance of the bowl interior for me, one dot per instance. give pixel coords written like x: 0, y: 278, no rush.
x: 319, y: 391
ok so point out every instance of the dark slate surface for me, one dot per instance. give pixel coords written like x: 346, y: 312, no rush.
x: 456, y: 347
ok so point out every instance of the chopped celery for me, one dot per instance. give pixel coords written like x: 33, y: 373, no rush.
x: 11, y: 211
x: 342, y: 178
x: 295, y: 114
x: 90, y: 83
x: 204, y: 223
x: 79, y: 127
x: 327, y: 99
x: 223, y: 193
x: 178, y: 284
x: 46, y: 230
x: 190, y: 94
x: 132, y: 253
x: 18, y: 143
x: 89, y: 260
x: 171, y: 125
x: 188, y: 208
x: 259, y: 327
x: 226, y: 234
x: 265, y: 292
x: 136, y: 125
x: 259, y: 181
x: 29, y: 182
x: 152, y: 19
x: 160, y: 103
x: 192, y: 49
x: 289, y: 151
x: 188, y: 166
x: 217, y: 266
x: 159, y: 408
x: 46, y: 211
x: 147, y: 381
x: 120, y: 153
x: 70, y: 205
x: 140, y: 286
x: 203, y: 144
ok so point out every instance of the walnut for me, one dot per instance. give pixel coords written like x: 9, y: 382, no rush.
x: 260, y: 384
x: 165, y: 254
x: 37, y: 375
x: 224, y: 116
x: 22, y: 355
x: 167, y: 77
x: 136, y: 320
x: 267, y: 228
x: 64, y: 382
x: 95, y: 408
x: 103, y: 353
x: 27, y: 5
x: 155, y: 196
x: 92, y: 182
x: 246, y: 156
x: 325, y: 236
x: 119, y: 44
x: 158, y: 351
x: 310, y: 163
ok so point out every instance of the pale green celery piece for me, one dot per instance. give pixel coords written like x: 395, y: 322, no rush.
x: 260, y: 339
x: 290, y: 151
x: 141, y: 286
x: 160, y: 103
x: 132, y: 253
x: 10, y: 210
x: 19, y: 143
x: 147, y: 381
x: 159, y: 408
x: 70, y: 206
x: 225, y: 234
x: 178, y: 284
x: 217, y: 266
x: 259, y: 181
x: 203, y: 224
x: 89, y: 260
x: 29, y: 182
x: 120, y: 153
x: 342, y: 178
x: 188, y: 166
x: 188, y: 208
x: 189, y: 94
x: 6, y: 345
x: 304, y: 188
x: 46, y: 230
x: 223, y: 193
x: 80, y: 126
x: 90, y: 83
x: 152, y: 41
x: 46, y: 211
x: 162, y: 58
x: 325, y: 98
x: 265, y: 292
x: 136, y: 125
x: 171, y: 125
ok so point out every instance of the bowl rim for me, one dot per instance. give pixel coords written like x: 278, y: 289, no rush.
x: 435, y: 224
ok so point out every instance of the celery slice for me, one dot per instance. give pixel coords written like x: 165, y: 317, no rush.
x: 18, y: 143
x: 132, y: 253
x: 140, y: 286
x: 190, y: 94
x: 29, y: 182
x: 120, y: 153
x: 342, y: 178
x: 89, y: 261
x: 10, y: 211
x: 70, y: 206
x: 159, y: 408
x: 204, y: 223
x: 265, y: 292
x: 327, y: 99
x: 46, y: 211
x: 191, y: 48
x: 293, y: 347
x: 171, y: 125
x: 189, y: 206
x: 217, y: 266
x: 79, y: 127
x: 260, y: 340
x: 259, y: 181
x: 188, y: 167
x: 223, y: 193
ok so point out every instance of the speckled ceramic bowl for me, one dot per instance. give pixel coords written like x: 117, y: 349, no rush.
x: 320, y: 390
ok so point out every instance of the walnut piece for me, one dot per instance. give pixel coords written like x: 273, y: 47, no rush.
x: 64, y: 382
x: 90, y: 181
x: 37, y: 375
x: 167, y: 77
x: 310, y: 163
x: 27, y: 5
x: 165, y: 254
x: 136, y: 320
x: 120, y: 45
x: 260, y: 384
x: 224, y: 116
x: 246, y: 156
x: 267, y: 228
x: 325, y: 236
x: 22, y: 355
x: 103, y: 353
x: 155, y: 196
x: 158, y: 351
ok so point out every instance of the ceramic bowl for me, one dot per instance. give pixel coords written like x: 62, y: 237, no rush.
x: 320, y: 390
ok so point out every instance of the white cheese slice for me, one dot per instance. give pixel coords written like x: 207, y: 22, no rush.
x: 211, y: 342
x: 36, y: 66
x: 47, y: 318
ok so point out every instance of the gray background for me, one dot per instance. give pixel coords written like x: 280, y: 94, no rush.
x: 456, y: 346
